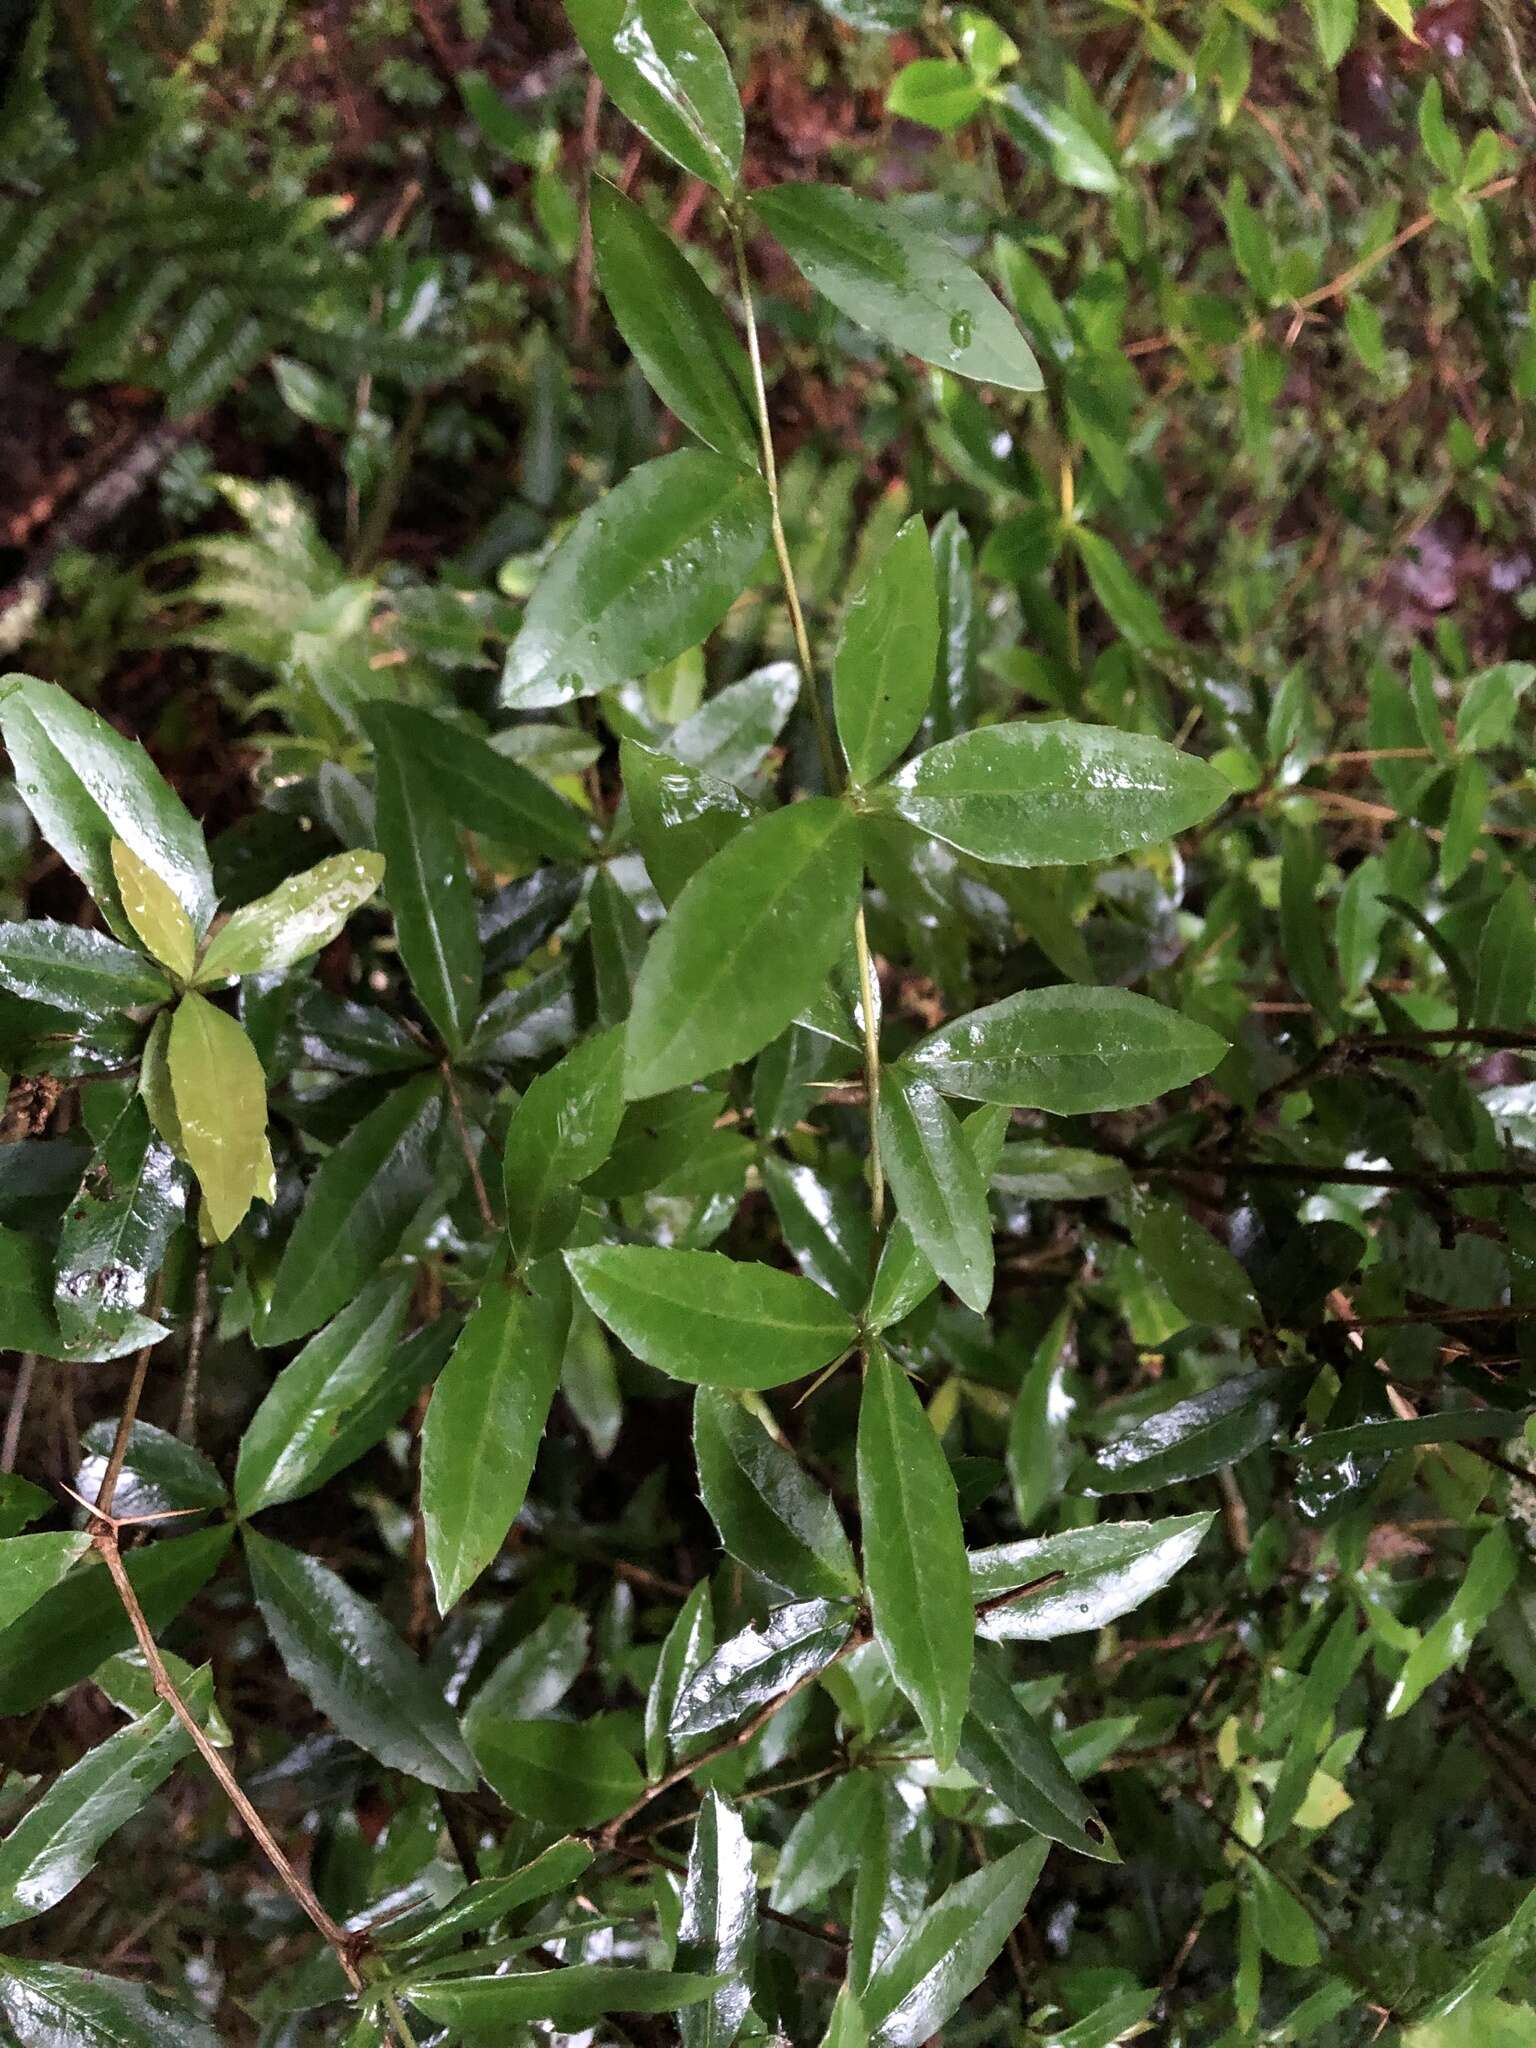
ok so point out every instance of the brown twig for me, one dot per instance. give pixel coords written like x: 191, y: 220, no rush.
x: 20, y: 1394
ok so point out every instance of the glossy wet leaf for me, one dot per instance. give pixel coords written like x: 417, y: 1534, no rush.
x: 914, y: 1553
x: 1049, y: 131
x: 57, y: 2007
x: 949, y: 1949
x: 86, y: 785
x: 31, y: 1566
x: 483, y: 2007
x: 155, y: 911
x: 1490, y: 1574
x: 746, y: 947
x: 116, y: 1230
x: 1106, y: 1571
x: 718, y: 1930
x: 1334, y: 1664
x: 1068, y: 1050
x: 55, y: 1844
x: 1191, y: 1437
x: 350, y: 1663
x: 78, y: 1622
x: 716, y: 1321
x: 82, y: 972
x: 1009, y: 1754
x: 294, y: 920
x: 673, y: 326
x: 485, y: 1422
x: 535, y: 1675
x: 1039, y: 1430
x: 487, y: 791
x: 358, y: 1206
x: 682, y: 816
x: 490, y: 1899
x: 566, y: 1774
x: 561, y: 1131
x: 904, y: 1277
x: 825, y: 1225
x: 1052, y: 792
x: 1379, y: 1435
x: 688, y: 1644
x: 663, y: 67
x: 161, y: 1474
x: 306, y: 1409
x: 938, y: 1186
x: 882, y: 675
x: 732, y: 732
x: 428, y: 883
x: 642, y: 576
x: 770, y: 1513
x: 1200, y: 1275
x: 904, y: 283
x: 756, y: 1666
x: 220, y: 1093
x: 823, y: 1845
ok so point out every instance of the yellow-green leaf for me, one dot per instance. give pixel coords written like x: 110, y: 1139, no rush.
x: 154, y: 910
x: 220, y: 1095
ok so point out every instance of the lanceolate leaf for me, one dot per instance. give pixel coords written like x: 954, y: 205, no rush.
x: 823, y: 1845
x: 938, y: 1186
x: 1191, y: 1437
x: 1052, y: 792
x: 562, y: 1131
x: 296, y: 919
x: 906, y: 284
x: 428, y: 881
x: 673, y: 326
x: 719, y: 1924
x: 689, y: 1642
x: 79, y: 971
x: 49, y: 2003
x: 641, y: 577
x: 770, y: 1513
x: 155, y: 911
x: 746, y: 947
x: 355, y: 1669
x: 116, y: 1230
x: 220, y: 1094
x: 950, y: 1949
x: 905, y: 1277
x: 664, y: 68
x: 1099, y: 1574
x: 1201, y: 1276
x: 486, y: 791
x: 566, y: 1774
x: 570, y: 1999
x: 758, y: 1665
x: 1008, y: 1753
x: 682, y: 816
x: 883, y: 674
x: 914, y: 1553
x: 1068, y: 1050
x: 713, y: 1320
x: 485, y: 1422
x: 359, y: 1204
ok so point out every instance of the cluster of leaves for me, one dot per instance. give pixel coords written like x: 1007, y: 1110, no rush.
x: 807, y: 1093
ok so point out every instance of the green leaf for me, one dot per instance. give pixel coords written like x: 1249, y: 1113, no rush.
x: 78, y: 1622
x: 355, y: 1670
x: 535, y: 1675
x: 746, y: 947
x: 1301, y: 928
x: 160, y: 1475
x: 1069, y: 1050
x: 825, y: 1225
x: 903, y: 283
x: 1332, y: 1668
x: 1053, y: 793
x: 665, y: 70
x: 1252, y: 247
x: 1486, y: 715
x: 485, y: 1423
x: 643, y: 575
x: 1282, y: 1923
x: 688, y: 1645
x: 938, y: 93
x: 770, y: 1513
x: 79, y: 971
x: 116, y: 1231
x: 491, y: 1899
x: 1131, y: 607
x: 1030, y: 1171
x: 1039, y: 1439
x: 54, y: 1846
x: 719, y: 1322
x: 1054, y: 135
x: 220, y: 1094
x: 1489, y: 1576
x: 1011, y: 1756
x: 1191, y: 1438
x: 50, y: 2006
x: 756, y: 1666
x: 306, y: 1410
x: 732, y: 733
x: 1380, y: 1435
x: 1334, y: 22
x: 31, y: 1566
x: 26, y: 1294
x: 485, y: 790
x: 561, y: 1131
x: 483, y: 2008
x: 948, y: 1949
x: 847, y: 2028
x: 429, y: 891
x: 1106, y: 1572
x: 1200, y: 1275
x: 718, y: 1930
x: 882, y: 677
x: 938, y: 1186
x: 823, y: 1845
x: 154, y: 910
x: 904, y: 1277
x: 86, y: 785
x: 1504, y: 991
x: 673, y: 326
x: 914, y: 1553
x: 681, y: 815
x: 565, y: 1774
x: 358, y: 1207
x: 1361, y: 918
x: 295, y: 919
